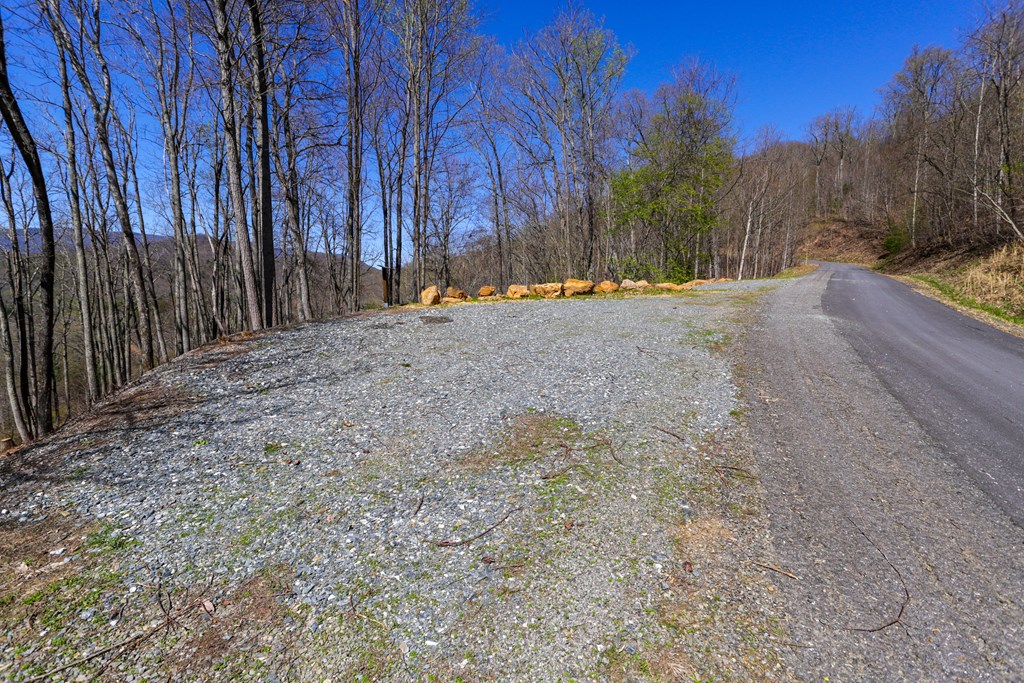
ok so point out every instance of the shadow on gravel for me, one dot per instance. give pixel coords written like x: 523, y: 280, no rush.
x: 144, y: 405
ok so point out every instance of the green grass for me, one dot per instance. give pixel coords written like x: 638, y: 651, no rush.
x: 955, y: 295
x: 109, y: 540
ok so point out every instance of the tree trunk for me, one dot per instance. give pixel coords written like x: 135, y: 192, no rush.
x: 19, y: 130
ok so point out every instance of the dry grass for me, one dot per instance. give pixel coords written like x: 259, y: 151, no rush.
x: 721, y: 608
x: 797, y: 271
x: 998, y: 280
x: 841, y: 242
x: 26, y: 564
x: 241, y: 623
x: 529, y: 437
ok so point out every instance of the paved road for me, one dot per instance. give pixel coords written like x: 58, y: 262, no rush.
x: 960, y: 379
x: 910, y: 566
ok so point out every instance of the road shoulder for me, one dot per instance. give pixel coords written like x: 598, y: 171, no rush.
x: 906, y: 570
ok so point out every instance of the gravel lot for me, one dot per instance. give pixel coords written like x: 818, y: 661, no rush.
x: 524, y: 491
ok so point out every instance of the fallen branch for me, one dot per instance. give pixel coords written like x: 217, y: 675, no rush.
x: 773, y: 568
x: 121, y: 646
x: 557, y: 473
x: 466, y: 541
x: 673, y: 434
x: 604, y: 440
x: 419, y: 505
x: 906, y: 592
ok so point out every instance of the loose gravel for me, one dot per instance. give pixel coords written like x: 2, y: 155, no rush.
x: 477, y: 492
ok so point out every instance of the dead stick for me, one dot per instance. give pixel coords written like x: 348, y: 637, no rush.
x: 774, y: 569
x: 452, y: 544
x: 737, y: 471
x: 122, y: 645
x: 906, y: 592
x: 611, y: 449
x: 665, y: 431
x: 419, y: 506
x: 558, y: 473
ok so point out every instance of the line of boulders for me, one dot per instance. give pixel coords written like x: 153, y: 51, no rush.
x: 431, y: 296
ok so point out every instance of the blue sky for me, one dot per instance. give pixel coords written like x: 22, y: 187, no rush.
x: 793, y: 60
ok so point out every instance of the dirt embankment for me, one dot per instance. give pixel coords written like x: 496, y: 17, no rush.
x: 842, y: 242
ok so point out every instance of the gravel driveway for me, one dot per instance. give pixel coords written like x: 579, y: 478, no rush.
x: 534, y: 491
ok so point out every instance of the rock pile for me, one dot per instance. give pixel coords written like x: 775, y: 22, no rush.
x: 431, y: 296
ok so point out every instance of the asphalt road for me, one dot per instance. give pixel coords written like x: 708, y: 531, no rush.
x: 884, y: 433
x: 962, y: 380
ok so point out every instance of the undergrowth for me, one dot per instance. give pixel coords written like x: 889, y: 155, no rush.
x: 962, y: 297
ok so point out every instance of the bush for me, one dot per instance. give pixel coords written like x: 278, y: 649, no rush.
x: 895, y: 241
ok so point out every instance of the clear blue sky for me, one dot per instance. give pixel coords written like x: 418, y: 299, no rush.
x: 793, y: 60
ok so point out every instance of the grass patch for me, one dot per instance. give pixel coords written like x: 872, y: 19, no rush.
x: 960, y: 297
x: 108, y: 539
x: 530, y: 437
x: 796, y: 271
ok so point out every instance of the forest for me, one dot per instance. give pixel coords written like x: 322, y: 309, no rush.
x: 177, y: 171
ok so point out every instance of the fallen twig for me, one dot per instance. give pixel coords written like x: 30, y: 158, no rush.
x: 122, y: 645
x: 465, y: 541
x: 673, y: 434
x: 772, y: 567
x: 736, y: 471
x: 906, y: 592
x: 604, y: 440
x: 557, y: 473
x: 419, y: 505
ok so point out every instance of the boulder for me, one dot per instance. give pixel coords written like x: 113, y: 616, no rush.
x: 606, y: 287
x: 487, y: 291
x: 669, y: 286
x: 431, y: 296
x: 452, y: 300
x: 548, y: 290
x: 628, y: 284
x: 572, y: 286
x: 643, y: 284
x: 453, y: 293
x: 517, y: 291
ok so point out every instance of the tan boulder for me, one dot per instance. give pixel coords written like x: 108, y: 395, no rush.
x: 572, y: 286
x: 431, y: 296
x: 487, y: 291
x: 452, y: 300
x: 517, y: 291
x: 669, y: 286
x: 606, y: 287
x: 453, y: 293
x: 628, y: 284
x: 643, y: 284
x: 548, y: 290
